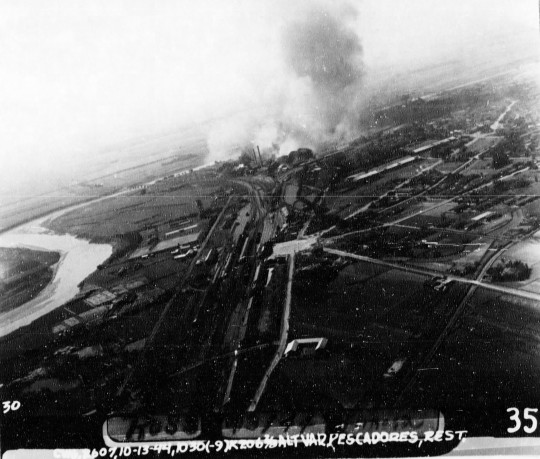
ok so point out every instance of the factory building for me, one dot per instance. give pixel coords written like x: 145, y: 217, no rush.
x: 305, y: 346
x: 379, y: 171
x: 426, y: 147
x: 299, y: 156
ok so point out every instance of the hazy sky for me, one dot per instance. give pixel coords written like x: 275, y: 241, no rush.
x: 77, y: 75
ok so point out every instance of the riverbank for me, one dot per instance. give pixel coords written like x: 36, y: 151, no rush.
x: 15, y: 215
x: 37, y: 333
x: 43, y: 214
x: 78, y: 259
x: 29, y: 326
x: 30, y: 337
x: 24, y: 274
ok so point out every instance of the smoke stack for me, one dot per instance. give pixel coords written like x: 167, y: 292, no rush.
x: 200, y: 206
x: 317, y: 100
x: 259, y: 155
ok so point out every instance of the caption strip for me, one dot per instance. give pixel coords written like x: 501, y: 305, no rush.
x: 268, y: 442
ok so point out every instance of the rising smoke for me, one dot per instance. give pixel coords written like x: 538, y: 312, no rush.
x: 317, y: 100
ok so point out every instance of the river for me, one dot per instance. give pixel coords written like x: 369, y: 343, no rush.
x: 78, y: 259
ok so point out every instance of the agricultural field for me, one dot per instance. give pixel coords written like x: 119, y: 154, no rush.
x: 166, y: 201
x: 107, y: 171
x: 370, y: 315
x: 358, y: 302
x: 496, y: 340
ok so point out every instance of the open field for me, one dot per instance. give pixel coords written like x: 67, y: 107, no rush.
x: 340, y: 379
x: 173, y: 199
x: 495, y: 341
x: 108, y: 171
x: 380, y: 306
x: 412, y: 243
x: 371, y: 316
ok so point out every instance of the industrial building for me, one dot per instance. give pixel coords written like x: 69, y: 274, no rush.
x: 305, y: 346
x: 102, y: 297
x: 373, y: 173
x: 83, y: 318
x: 429, y: 145
x: 167, y: 244
x: 299, y: 156
x: 481, y: 216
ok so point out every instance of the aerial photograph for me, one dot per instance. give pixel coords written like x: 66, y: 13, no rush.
x: 271, y: 228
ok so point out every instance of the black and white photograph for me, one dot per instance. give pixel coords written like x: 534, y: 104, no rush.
x: 269, y: 228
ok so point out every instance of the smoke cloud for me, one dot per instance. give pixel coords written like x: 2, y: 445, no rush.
x: 315, y: 101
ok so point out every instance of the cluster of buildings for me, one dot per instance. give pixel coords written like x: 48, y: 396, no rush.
x: 157, y: 239
x: 95, y: 303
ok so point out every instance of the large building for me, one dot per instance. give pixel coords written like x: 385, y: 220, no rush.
x: 378, y: 171
x: 429, y: 145
x: 300, y: 155
x: 305, y: 346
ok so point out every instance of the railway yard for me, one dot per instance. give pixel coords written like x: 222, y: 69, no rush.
x: 401, y: 270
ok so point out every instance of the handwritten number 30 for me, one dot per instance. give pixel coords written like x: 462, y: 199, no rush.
x: 11, y: 405
x: 526, y: 416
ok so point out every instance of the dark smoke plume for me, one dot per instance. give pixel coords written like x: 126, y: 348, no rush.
x: 319, y: 96
x: 322, y: 48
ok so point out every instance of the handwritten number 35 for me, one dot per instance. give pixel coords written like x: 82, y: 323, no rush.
x: 526, y: 416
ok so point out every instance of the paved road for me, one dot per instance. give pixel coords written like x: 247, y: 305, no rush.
x: 498, y: 123
x: 282, y: 340
x: 474, y: 285
x: 427, y: 272
x: 453, y: 320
